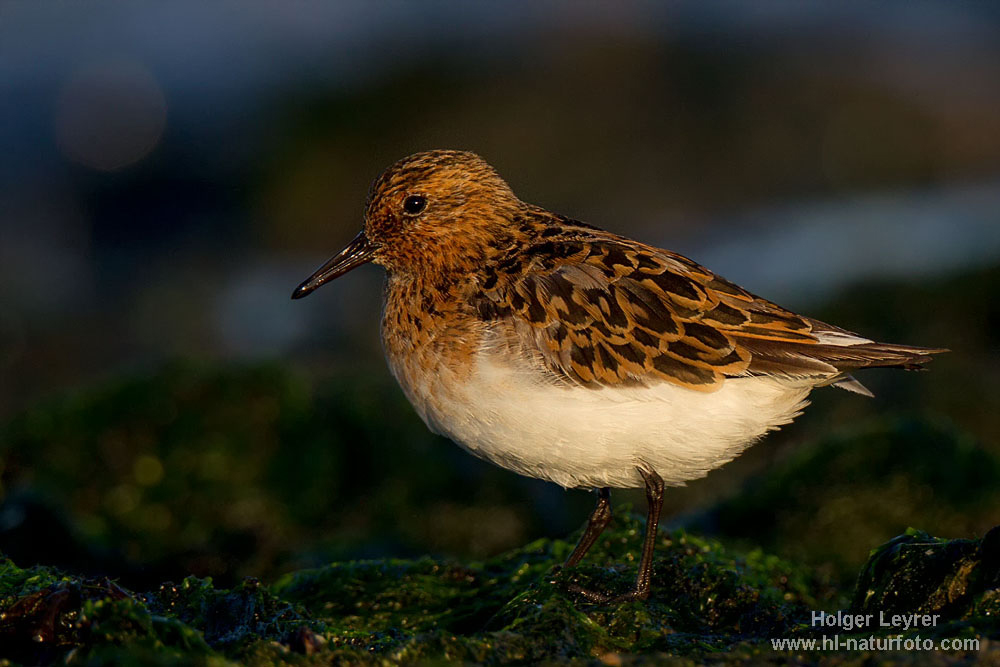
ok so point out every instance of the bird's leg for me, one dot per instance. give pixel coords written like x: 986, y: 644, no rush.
x: 654, y: 498
x: 598, y: 521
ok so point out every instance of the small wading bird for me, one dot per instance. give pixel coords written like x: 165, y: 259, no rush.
x: 567, y: 353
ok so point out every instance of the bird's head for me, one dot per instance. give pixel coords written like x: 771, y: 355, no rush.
x: 432, y: 212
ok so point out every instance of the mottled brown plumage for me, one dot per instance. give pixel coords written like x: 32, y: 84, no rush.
x: 596, y: 308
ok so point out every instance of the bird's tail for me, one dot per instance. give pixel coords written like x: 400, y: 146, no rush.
x: 879, y: 355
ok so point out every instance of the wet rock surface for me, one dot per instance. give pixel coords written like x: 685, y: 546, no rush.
x: 708, y: 602
x: 957, y: 580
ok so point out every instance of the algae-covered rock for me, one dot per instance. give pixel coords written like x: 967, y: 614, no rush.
x: 46, y: 615
x: 704, y: 598
x: 708, y: 603
x: 957, y: 581
x: 513, y: 608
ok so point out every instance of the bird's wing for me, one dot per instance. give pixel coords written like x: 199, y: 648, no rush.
x: 602, y: 310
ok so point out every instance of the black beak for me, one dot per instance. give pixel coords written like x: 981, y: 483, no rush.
x: 359, y: 251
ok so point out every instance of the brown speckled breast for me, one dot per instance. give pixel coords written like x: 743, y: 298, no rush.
x: 430, y: 337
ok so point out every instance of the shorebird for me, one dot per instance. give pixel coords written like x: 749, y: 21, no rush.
x: 568, y: 353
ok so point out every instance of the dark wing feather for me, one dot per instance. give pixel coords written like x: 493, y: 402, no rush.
x: 603, y: 310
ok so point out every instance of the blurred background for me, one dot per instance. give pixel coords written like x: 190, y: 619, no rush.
x: 169, y: 173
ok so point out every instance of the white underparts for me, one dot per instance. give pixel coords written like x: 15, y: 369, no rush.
x: 584, y: 437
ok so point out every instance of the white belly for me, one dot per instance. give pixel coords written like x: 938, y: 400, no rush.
x: 580, y: 437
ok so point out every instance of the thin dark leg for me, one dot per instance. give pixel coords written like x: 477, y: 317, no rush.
x: 599, y: 520
x: 654, y: 497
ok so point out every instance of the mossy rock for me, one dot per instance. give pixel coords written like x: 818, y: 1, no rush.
x: 708, y: 603
x: 955, y: 580
x: 704, y: 598
x: 513, y: 608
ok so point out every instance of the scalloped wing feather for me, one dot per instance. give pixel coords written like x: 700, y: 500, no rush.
x: 601, y: 310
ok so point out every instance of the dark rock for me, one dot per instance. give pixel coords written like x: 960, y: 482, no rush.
x: 919, y: 574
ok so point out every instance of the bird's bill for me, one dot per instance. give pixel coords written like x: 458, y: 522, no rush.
x: 359, y: 251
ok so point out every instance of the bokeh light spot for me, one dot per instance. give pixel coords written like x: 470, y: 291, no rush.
x: 147, y: 470
x: 110, y: 115
x: 122, y: 499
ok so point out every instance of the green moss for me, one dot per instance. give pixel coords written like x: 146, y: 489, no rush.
x: 517, y: 607
x: 708, y: 602
x: 47, y: 614
x: 959, y: 580
x: 16, y: 582
x: 228, y: 618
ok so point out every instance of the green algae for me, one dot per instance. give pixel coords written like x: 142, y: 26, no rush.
x: 516, y: 607
x: 16, y: 582
x: 915, y: 573
x: 709, y: 602
x: 512, y: 608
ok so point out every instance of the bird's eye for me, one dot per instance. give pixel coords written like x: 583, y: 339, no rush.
x: 414, y: 204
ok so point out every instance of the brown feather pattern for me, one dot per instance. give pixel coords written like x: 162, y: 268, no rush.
x: 600, y: 309
x: 593, y: 308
